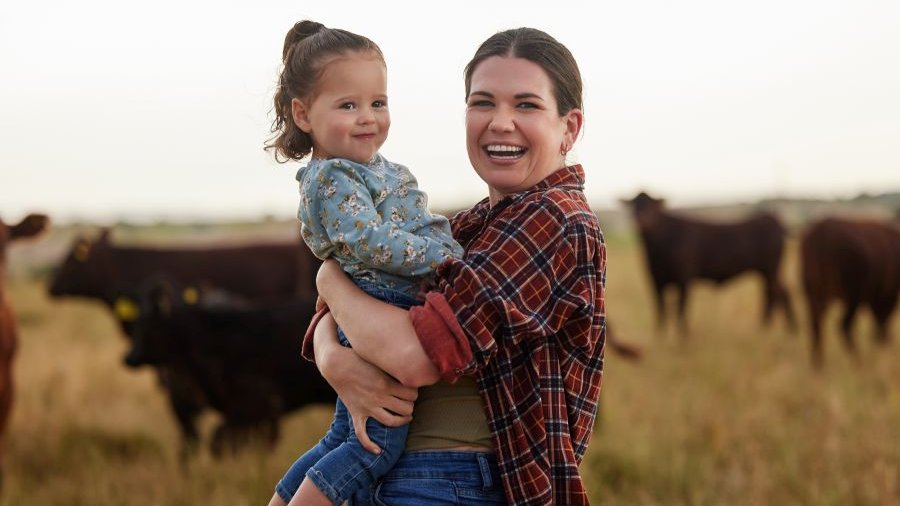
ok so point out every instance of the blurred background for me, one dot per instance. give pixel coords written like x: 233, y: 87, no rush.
x: 115, y: 111
x: 150, y: 119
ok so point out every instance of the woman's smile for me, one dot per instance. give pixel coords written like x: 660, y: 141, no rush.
x: 505, y: 152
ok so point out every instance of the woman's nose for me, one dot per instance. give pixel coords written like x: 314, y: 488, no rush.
x: 502, y: 121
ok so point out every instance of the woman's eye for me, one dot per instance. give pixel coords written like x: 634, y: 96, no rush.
x: 480, y: 103
x: 527, y: 105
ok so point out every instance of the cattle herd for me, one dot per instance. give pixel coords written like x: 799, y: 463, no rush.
x: 220, y: 325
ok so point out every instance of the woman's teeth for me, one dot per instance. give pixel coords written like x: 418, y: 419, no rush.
x: 504, y: 151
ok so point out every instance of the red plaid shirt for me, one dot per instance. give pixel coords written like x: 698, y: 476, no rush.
x: 524, y: 313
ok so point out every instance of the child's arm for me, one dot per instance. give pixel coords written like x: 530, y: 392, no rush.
x: 339, y: 199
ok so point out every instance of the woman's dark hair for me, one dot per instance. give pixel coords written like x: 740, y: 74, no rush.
x: 307, y: 47
x: 542, y: 49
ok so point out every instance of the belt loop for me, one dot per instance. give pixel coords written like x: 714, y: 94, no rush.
x: 485, y: 467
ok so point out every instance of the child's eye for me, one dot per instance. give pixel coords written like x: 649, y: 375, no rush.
x: 349, y: 106
x: 379, y: 104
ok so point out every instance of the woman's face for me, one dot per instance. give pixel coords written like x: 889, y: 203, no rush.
x: 514, y: 134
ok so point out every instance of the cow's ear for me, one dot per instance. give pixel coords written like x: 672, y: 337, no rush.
x: 104, y: 236
x: 29, y: 226
x: 82, y: 250
x: 162, y: 299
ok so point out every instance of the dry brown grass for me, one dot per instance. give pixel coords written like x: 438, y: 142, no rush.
x: 732, y: 414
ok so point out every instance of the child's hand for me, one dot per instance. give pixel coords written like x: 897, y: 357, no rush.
x: 425, y: 286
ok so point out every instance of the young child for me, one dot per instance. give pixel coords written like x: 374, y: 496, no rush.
x: 358, y: 208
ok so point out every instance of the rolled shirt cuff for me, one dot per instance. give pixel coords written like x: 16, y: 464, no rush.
x: 441, y: 336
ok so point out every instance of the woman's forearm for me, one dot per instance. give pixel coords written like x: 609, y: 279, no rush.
x: 379, y: 332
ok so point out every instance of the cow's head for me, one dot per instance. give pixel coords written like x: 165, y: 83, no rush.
x: 148, y: 318
x: 150, y: 324
x: 84, y: 269
x: 30, y: 226
x: 646, y: 210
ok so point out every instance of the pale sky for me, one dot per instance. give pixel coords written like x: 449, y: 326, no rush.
x: 125, y: 110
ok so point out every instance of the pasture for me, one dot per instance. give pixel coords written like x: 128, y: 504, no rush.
x: 733, y: 413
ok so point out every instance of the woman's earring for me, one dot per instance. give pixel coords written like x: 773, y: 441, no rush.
x: 564, y: 150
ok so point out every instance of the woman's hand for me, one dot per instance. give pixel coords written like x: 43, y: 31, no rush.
x: 366, y: 390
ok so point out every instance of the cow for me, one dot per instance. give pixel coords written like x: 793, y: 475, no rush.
x: 854, y: 262
x: 679, y: 250
x: 245, y: 359
x: 112, y: 274
x: 98, y: 269
x: 30, y: 226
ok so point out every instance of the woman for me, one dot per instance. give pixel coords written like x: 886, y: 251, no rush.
x: 514, y: 331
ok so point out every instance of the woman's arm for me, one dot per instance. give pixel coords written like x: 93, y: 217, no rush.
x: 364, y: 389
x: 379, y: 332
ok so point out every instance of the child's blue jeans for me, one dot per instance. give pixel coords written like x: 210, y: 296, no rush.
x: 338, y: 465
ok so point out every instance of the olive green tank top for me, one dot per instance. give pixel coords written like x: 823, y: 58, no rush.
x: 448, y: 416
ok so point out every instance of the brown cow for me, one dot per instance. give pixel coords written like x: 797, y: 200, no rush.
x: 31, y: 225
x: 679, y: 250
x: 855, y: 262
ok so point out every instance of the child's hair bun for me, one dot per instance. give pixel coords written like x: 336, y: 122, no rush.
x: 300, y: 31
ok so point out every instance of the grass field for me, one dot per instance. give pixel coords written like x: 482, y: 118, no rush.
x: 730, y: 414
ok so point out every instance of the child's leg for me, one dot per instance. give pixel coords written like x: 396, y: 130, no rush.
x: 350, y: 468
x: 309, y: 495
x: 336, y: 435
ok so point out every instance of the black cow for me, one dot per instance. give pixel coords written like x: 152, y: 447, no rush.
x: 854, y: 262
x: 245, y: 360
x: 113, y: 274
x: 679, y: 250
x: 272, y: 271
x: 31, y: 225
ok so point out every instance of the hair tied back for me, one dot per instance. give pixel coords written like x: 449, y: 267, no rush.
x: 300, y: 31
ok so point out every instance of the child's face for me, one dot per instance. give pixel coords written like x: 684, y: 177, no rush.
x: 348, y: 116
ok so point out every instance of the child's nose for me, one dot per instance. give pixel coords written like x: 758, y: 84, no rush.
x: 366, y: 116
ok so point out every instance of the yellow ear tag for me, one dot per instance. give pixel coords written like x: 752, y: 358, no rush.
x: 82, y: 251
x: 190, y: 295
x: 126, y: 310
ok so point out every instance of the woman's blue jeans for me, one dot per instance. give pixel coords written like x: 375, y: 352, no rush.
x: 430, y: 478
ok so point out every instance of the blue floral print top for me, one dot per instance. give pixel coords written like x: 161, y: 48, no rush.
x: 373, y: 219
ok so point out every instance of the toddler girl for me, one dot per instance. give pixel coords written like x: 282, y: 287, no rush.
x: 358, y: 208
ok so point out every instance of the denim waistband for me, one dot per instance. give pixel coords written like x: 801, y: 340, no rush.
x: 386, y: 294
x: 480, y: 468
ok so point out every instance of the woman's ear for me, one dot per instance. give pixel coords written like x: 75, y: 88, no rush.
x: 573, y: 120
x: 300, y: 113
